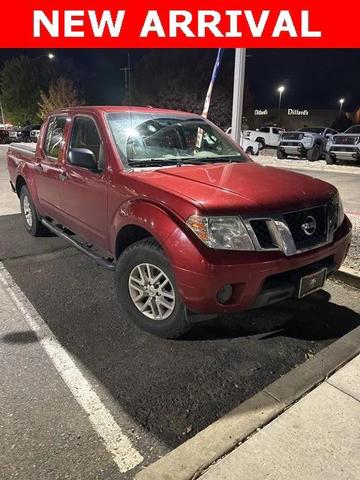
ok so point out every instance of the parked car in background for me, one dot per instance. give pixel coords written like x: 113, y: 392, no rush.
x: 308, y: 142
x: 4, y: 135
x: 187, y: 222
x: 344, y: 146
x: 267, y: 136
x: 34, y: 135
x: 22, y: 134
x: 250, y: 147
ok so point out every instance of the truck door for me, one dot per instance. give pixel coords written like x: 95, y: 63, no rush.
x: 84, y: 191
x: 47, y: 166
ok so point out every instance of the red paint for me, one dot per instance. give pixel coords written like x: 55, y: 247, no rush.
x: 97, y: 207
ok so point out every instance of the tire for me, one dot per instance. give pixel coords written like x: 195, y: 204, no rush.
x: 131, y: 271
x: 329, y: 159
x: 313, y: 155
x: 261, y: 143
x: 250, y: 151
x: 281, y: 155
x: 31, y: 218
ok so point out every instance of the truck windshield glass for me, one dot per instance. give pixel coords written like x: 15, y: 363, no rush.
x: 143, y: 138
x: 318, y: 130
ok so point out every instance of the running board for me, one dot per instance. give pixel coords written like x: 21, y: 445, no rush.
x: 109, y: 265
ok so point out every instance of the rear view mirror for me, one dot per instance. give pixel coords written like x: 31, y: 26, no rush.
x: 82, y: 157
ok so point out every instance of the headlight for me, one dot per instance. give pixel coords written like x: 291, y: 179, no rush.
x: 222, y: 233
x: 307, y: 140
x: 341, y: 214
x: 336, y: 214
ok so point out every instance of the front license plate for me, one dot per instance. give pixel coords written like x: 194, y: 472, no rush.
x: 311, y: 283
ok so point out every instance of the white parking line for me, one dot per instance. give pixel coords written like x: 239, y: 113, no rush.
x: 116, y: 442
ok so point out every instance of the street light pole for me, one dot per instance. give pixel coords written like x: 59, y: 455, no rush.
x: 238, y: 94
x: 2, y: 113
x: 281, y: 90
x: 341, y: 101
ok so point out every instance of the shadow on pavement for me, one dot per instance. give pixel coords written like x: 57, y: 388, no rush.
x: 20, y: 337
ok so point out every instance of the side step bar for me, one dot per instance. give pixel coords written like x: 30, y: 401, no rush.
x: 108, y: 264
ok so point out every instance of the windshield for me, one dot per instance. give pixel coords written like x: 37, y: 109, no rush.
x: 144, y: 138
x: 319, y: 130
x: 353, y: 129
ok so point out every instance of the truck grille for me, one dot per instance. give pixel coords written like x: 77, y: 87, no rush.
x: 294, y: 232
x: 292, y: 136
x: 262, y: 233
x: 344, y: 140
x: 316, y: 232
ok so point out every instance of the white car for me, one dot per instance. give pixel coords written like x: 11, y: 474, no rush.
x: 265, y: 136
x: 250, y: 147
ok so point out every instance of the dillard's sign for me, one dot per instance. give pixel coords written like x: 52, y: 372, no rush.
x: 291, y: 112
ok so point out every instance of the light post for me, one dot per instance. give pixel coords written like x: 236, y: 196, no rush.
x: 341, y: 101
x: 2, y: 114
x: 50, y: 56
x: 238, y: 94
x: 281, y: 90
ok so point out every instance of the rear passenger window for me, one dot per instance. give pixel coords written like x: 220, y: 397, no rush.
x: 54, y: 138
x: 85, y: 135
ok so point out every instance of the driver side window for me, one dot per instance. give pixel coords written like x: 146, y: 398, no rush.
x: 85, y: 135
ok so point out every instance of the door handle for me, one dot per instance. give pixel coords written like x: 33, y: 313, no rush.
x: 38, y: 167
x: 63, y: 175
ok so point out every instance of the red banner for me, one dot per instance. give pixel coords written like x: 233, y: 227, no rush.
x: 171, y: 24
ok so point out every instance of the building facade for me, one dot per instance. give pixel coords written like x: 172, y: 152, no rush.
x: 291, y: 118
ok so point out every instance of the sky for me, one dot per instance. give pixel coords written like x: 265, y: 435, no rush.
x: 313, y: 78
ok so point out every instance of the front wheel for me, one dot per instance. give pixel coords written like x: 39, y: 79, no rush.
x: 329, y: 159
x: 31, y: 218
x: 281, y: 155
x: 147, y: 292
x: 313, y: 155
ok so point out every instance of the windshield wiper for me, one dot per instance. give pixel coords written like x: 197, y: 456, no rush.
x: 162, y: 162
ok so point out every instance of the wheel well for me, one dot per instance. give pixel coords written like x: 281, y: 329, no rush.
x: 20, y: 182
x: 129, y: 235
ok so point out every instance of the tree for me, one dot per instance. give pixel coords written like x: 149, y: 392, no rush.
x: 21, y: 80
x: 162, y: 79
x: 61, y: 94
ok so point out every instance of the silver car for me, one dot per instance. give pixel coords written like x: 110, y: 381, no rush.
x: 344, y: 146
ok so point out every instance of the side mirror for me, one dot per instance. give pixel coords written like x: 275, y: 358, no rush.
x: 82, y: 157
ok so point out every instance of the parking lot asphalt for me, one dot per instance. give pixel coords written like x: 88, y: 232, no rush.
x: 161, y: 392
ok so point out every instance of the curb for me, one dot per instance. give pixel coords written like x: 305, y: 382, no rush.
x: 349, y: 170
x: 189, y: 460
x: 348, y: 276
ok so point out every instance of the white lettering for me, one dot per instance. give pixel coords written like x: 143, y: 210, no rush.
x: 234, y: 16
x: 72, y: 18
x: 209, y: 24
x: 176, y: 23
x: 305, y: 26
x: 52, y: 26
x: 257, y: 29
x: 152, y: 24
x: 284, y: 24
x: 106, y: 22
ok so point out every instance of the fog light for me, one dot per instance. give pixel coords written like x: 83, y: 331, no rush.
x: 224, y: 294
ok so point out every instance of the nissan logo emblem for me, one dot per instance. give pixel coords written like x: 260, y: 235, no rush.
x: 309, y: 225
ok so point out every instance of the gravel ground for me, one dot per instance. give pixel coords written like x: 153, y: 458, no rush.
x: 353, y: 259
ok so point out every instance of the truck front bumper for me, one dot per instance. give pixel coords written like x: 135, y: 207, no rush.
x: 296, y: 149
x: 256, y: 278
x: 347, y: 153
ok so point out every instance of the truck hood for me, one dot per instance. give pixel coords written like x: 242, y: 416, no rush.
x: 241, y: 187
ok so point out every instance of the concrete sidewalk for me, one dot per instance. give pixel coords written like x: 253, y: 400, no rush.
x: 316, y: 438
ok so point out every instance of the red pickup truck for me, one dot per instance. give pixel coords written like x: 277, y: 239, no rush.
x: 191, y: 226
